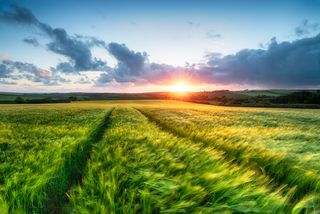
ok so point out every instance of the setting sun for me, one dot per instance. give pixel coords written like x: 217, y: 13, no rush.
x: 180, y: 87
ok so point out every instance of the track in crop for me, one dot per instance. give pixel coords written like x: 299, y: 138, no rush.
x: 75, y: 166
x: 147, y: 170
x: 303, y: 188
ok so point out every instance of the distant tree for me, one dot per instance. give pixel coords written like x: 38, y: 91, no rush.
x: 19, y: 100
x: 299, y: 97
x: 73, y: 98
x: 47, y: 100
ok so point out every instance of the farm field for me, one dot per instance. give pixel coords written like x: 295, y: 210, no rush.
x: 158, y: 157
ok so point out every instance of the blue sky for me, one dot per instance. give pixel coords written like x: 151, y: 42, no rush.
x: 159, y: 42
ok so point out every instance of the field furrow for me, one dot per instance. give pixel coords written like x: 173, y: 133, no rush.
x: 153, y: 156
x: 284, y: 168
x: 138, y: 168
x: 42, y: 153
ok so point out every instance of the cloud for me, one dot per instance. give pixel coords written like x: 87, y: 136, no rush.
x: 129, y: 62
x: 5, y: 82
x: 306, y: 28
x: 77, y: 51
x: 285, y: 64
x: 65, y: 67
x: 18, y: 15
x: 92, y: 41
x: 32, y: 41
x: 15, y: 70
x: 134, y: 67
x: 84, y: 80
x: 104, y: 79
x: 4, y: 72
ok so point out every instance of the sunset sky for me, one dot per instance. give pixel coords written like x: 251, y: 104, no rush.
x: 137, y: 46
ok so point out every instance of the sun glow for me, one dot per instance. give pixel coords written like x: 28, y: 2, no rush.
x: 180, y: 87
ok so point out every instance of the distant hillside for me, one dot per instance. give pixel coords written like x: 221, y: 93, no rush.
x: 269, y: 93
x: 69, y: 97
x: 257, y: 98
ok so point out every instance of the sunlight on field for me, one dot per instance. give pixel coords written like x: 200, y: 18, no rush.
x: 158, y: 156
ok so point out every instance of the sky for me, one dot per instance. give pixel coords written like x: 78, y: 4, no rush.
x: 142, y: 46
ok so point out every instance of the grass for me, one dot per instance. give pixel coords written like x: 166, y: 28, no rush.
x: 158, y: 157
x: 40, y: 152
x: 147, y: 170
x: 271, y: 93
x: 284, y: 144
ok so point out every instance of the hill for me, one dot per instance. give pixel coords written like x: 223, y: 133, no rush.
x: 254, y: 98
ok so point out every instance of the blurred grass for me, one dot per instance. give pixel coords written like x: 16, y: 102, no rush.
x: 195, y: 159
x: 40, y: 153
x: 283, y: 143
x: 138, y: 168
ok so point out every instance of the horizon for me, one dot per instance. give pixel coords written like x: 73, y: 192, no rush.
x: 172, y: 46
x: 151, y: 92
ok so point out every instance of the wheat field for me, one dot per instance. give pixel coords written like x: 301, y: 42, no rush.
x: 157, y: 156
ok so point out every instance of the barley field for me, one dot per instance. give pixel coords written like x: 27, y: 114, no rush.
x: 157, y: 156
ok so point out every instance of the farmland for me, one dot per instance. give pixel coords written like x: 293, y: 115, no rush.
x: 158, y: 157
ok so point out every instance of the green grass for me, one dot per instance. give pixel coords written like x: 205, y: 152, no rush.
x: 158, y: 157
x: 270, y: 93
x: 147, y: 170
x: 283, y: 144
x: 7, y: 97
x: 12, y: 97
x: 39, y: 152
x: 294, y: 132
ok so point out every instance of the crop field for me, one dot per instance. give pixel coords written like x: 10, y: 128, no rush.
x: 158, y: 157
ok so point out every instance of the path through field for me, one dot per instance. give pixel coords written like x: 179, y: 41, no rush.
x: 158, y: 157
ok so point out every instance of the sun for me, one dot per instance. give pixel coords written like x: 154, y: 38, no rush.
x: 180, y: 87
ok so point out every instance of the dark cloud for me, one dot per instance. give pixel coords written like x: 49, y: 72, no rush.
x: 4, y: 71
x: 65, y: 67
x: 18, y: 15
x: 92, y: 41
x: 285, y: 64
x: 129, y: 62
x: 32, y: 41
x: 306, y: 28
x: 134, y: 67
x: 130, y: 66
x: 76, y: 50
x: 104, y: 79
x: 14, y: 70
